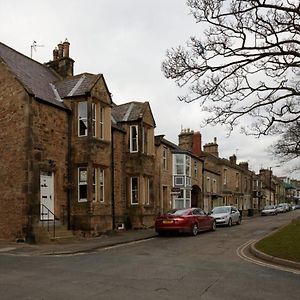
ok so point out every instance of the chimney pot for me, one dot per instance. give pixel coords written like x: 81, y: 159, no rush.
x: 66, y: 48
x: 60, y: 50
x: 55, y: 53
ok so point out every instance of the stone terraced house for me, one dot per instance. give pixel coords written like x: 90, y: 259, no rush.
x: 68, y: 153
x: 72, y: 158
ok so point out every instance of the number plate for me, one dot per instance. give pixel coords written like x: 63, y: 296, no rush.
x: 167, y: 222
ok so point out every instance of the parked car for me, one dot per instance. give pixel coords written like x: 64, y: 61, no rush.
x: 190, y: 220
x: 226, y: 215
x: 297, y: 206
x: 281, y: 208
x: 269, y: 210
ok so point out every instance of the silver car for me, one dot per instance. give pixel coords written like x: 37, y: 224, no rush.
x: 269, y: 210
x: 226, y: 215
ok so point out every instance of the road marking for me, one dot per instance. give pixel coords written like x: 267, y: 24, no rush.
x: 126, y: 244
x: 7, y: 249
x: 240, y: 251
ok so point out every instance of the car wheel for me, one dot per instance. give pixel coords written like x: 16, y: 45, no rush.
x: 194, y: 230
x: 213, y: 226
x: 229, y: 222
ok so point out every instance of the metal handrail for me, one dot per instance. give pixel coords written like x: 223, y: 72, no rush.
x: 48, y: 213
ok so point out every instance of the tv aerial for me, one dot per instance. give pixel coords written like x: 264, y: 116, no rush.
x: 33, y: 47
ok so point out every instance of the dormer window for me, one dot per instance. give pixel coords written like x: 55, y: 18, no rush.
x: 134, y: 138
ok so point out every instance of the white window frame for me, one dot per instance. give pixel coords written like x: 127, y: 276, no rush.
x: 237, y: 180
x: 187, y: 161
x: 165, y: 158
x: 82, y: 182
x: 95, y: 179
x: 208, y: 185
x: 196, y: 169
x: 178, y: 180
x: 82, y: 119
x: 147, y: 190
x: 225, y: 176
x: 101, y: 184
x: 132, y: 139
x: 134, y: 191
x: 101, y: 122
x: 176, y: 164
x: 214, y: 186
x: 94, y: 119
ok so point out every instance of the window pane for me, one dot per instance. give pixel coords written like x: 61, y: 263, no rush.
x: 101, y: 123
x: 82, y: 184
x: 94, y: 184
x: 83, y: 192
x: 94, y: 118
x: 134, y: 190
x: 179, y: 203
x: 101, y: 185
x: 82, y: 118
x: 179, y: 169
x: 133, y: 139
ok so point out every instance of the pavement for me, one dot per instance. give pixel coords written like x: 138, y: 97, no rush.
x: 76, y: 245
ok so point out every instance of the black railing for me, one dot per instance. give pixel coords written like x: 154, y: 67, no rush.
x: 46, y: 212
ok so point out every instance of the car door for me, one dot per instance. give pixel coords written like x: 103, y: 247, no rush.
x: 234, y: 214
x: 201, y: 220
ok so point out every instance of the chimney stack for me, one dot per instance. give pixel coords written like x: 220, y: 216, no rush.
x: 212, y: 148
x: 197, y: 143
x: 62, y: 63
x: 232, y: 159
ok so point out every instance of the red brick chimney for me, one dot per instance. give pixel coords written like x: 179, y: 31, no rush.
x: 197, y: 143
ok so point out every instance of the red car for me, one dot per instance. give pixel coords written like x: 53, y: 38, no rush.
x: 190, y: 220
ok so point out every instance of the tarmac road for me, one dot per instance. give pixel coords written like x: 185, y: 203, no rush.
x: 177, y: 267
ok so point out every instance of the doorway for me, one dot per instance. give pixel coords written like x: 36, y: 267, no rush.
x: 47, y: 199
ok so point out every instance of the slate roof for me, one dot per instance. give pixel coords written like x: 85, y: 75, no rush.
x: 40, y: 81
x: 128, y: 112
x: 34, y: 76
x: 76, y: 85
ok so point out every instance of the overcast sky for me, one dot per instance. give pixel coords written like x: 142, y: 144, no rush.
x: 126, y: 41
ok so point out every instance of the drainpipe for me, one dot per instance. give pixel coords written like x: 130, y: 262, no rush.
x: 69, y: 170
x: 112, y: 182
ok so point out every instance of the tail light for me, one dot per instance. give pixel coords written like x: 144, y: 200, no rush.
x: 178, y: 220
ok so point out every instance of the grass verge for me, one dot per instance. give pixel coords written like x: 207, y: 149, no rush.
x: 284, y: 243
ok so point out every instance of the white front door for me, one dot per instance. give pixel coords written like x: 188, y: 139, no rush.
x: 47, y: 199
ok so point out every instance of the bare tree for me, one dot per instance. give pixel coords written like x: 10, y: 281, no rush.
x: 288, y: 146
x: 244, y: 66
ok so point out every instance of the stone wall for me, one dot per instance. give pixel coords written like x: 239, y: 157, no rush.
x: 13, y: 160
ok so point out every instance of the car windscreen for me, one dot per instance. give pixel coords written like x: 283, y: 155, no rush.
x: 221, y: 210
x: 269, y: 207
x: 179, y: 212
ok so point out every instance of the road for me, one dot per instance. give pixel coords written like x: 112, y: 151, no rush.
x: 178, y: 267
